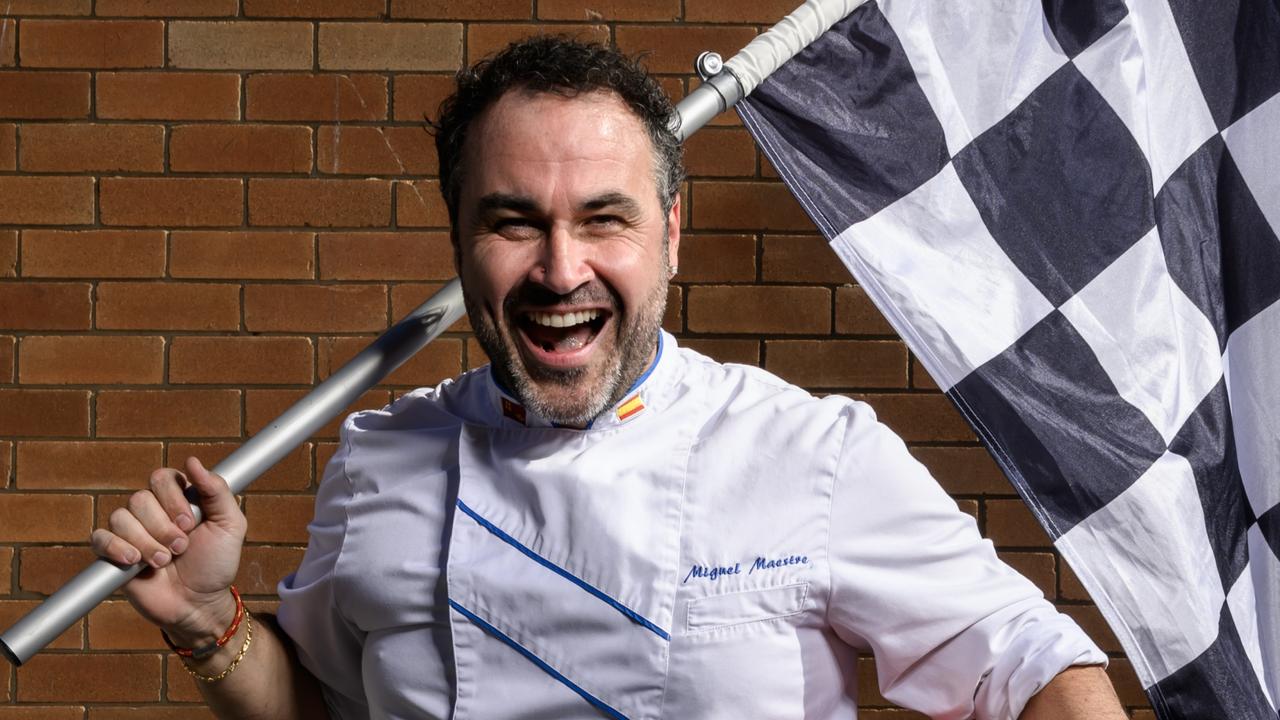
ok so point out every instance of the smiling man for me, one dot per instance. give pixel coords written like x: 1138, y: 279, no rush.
x: 600, y: 523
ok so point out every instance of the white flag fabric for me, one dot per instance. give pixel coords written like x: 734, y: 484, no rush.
x: 1070, y: 212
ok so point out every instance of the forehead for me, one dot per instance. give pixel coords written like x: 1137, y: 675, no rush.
x: 552, y: 140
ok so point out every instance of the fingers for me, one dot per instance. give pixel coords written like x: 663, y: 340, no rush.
x: 128, y: 541
x: 145, y: 508
x: 168, y: 485
x: 215, y: 497
x: 109, y: 546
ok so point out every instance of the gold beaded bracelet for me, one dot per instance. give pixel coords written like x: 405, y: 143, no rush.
x: 248, y: 640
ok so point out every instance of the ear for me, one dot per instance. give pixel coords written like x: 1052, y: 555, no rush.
x: 673, y: 234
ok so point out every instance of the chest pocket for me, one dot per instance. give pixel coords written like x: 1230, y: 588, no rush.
x: 748, y: 606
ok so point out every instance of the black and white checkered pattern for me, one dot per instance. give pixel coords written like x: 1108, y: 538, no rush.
x: 1070, y: 211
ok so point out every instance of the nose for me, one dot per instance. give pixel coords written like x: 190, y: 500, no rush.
x: 563, y: 266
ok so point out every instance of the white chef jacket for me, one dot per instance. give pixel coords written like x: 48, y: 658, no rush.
x: 719, y: 545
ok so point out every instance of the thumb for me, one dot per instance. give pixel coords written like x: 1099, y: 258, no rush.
x: 214, y: 497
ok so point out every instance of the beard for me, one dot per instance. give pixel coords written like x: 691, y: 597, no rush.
x: 573, y: 396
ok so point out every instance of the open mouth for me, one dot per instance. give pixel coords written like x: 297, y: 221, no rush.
x: 562, y: 333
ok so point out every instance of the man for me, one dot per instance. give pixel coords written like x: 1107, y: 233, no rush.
x: 601, y: 523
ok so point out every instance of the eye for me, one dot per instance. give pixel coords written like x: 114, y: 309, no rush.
x: 515, y: 227
x: 604, y: 223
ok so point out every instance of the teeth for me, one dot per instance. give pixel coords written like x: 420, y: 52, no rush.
x: 564, y: 319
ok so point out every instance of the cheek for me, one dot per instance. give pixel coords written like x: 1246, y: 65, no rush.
x: 494, y: 271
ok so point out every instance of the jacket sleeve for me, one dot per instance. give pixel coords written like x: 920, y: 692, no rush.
x: 328, y: 644
x: 956, y: 633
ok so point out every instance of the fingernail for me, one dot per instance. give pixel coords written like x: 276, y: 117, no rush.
x: 178, y: 545
x: 186, y: 522
x: 132, y: 556
x: 160, y: 558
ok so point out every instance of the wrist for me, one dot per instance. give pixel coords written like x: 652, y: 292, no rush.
x: 207, y: 623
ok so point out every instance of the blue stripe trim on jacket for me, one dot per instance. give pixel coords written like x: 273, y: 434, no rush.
x: 597, y: 702
x: 626, y: 611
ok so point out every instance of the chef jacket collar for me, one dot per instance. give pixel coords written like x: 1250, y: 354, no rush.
x: 638, y: 400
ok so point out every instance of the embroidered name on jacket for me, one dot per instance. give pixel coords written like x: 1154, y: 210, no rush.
x: 715, y: 572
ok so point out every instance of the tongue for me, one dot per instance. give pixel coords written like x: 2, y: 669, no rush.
x: 559, y: 339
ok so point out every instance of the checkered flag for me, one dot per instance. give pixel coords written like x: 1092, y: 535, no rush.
x: 1069, y: 210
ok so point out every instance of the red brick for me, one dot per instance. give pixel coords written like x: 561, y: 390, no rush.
x: 168, y: 306
x: 115, y: 625
x: 90, y: 359
x: 720, y: 152
x: 7, y: 354
x: 964, y: 470
x: 323, y: 98
x: 745, y: 352
x: 47, y: 7
x: 179, y: 685
x: 168, y: 96
x: 169, y: 202
x: 44, y: 413
x: 1072, y: 588
x: 33, y: 95
x: 263, y: 406
x: 390, y: 46
x: 419, y: 204
x: 240, y: 149
x: 242, y: 255
x: 168, y: 413
x: 240, y: 360
x: 324, y: 453
x: 71, y: 639
x: 90, y: 678
x: 838, y: 363
x: 46, y: 200
x: 673, y: 49
x: 801, y: 258
x: 484, y: 39
x: 93, y: 253
x: 293, y: 472
x: 857, y: 315
x: 438, y: 361
x: 406, y: 297
x: 760, y: 12
x: 746, y: 206
x: 92, y: 148
x: 1128, y: 688
x: 386, y: 256
x: 1036, y: 567
x: 262, y: 568
x: 8, y: 146
x: 673, y: 318
x: 45, y: 569
x: 315, y: 308
x: 717, y: 258
x: 451, y: 10
x: 92, y: 43
x: 45, y: 517
x: 166, y: 8
x: 598, y: 10
x: 44, y: 306
x: 920, y: 377
x: 418, y: 97
x: 237, y: 45
x: 6, y: 570
x: 327, y: 9
x: 918, y: 417
x: 8, y: 253
x: 278, y: 518
x: 355, y: 150
x: 320, y: 203
x: 1011, y: 524
x: 95, y: 465
x: 765, y: 309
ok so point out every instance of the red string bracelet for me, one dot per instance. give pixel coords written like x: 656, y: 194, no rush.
x: 211, y: 648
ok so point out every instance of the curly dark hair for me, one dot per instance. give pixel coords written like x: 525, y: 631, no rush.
x: 564, y: 66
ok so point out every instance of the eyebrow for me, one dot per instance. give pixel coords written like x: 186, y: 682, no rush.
x: 522, y: 204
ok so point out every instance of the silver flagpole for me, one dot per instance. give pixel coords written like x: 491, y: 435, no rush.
x: 724, y: 85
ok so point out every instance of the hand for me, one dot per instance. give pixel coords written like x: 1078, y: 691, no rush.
x: 184, y: 588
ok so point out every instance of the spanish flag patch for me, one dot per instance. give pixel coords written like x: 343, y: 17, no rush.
x: 632, y: 406
x: 515, y: 411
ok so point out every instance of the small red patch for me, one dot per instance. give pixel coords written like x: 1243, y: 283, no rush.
x: 515, y: 411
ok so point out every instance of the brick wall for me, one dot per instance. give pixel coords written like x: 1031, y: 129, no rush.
x: 207, y: 205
